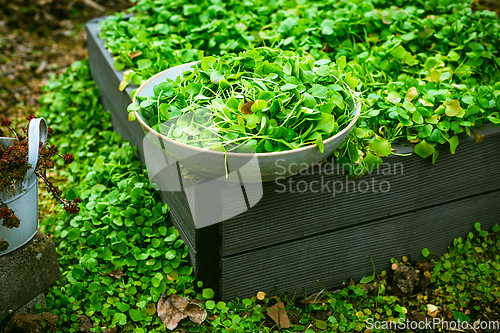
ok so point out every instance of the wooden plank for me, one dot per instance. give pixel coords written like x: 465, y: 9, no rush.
x: 108, y: 80
x: 304, y: 266
x: 412, y: 183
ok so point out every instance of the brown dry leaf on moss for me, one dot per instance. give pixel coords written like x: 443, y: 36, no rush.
x: 278, y: 315
x: 173, y: 309
x: 85, y: 323
x: 116, y: 273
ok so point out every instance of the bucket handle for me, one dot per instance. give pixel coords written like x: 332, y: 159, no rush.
x: 37, y: 132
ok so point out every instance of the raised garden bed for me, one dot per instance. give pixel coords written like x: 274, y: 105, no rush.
x: 296, y: 241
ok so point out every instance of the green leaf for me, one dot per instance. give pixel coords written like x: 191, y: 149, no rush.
x: 288, y: 86
x: 133, y: 107
x: 144, y: 64
x: 73, y: 234
x: 319, y: 91
x: 122, y: 318
x: 399, y: 52
x: 342, y: 62
x: 351, y: 81
x: 207, y: 63
x: 425, y: 253
x: 459, y: 316
x: 453, y: 108
x: 325, y: 124
x: 216, y: 77
x: 393, y: 97
x: 453, y: 144
x: 259, y: 105
x: 371, y: 162
x: 381, y: 147
x: 327, y: 27
x: 321, y: 146
x: 368, y: 279
x: 136, y: 315
x: 423, y: 149
x: 210, y: 305
x: 208, y: 293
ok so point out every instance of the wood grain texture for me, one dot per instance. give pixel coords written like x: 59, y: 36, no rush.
x: 413, y: 184
x: 304, y: 266
x: 108, y: 80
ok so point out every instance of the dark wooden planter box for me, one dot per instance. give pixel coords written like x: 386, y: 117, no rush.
x: 300, y: 242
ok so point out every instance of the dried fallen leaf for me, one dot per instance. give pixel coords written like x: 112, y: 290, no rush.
x: 135, y: 54
x: 173, y: 309
x: 278, y: 314
x: 404, y: 278
x: 85, y: 323
x: 261, y: 295
x: 151, y: 309
x: 116, y: 273
x: 110, y: 330
x: 394, y: 266
x: 247, y: 107
x: 432, y: 310
x: 478, y: 137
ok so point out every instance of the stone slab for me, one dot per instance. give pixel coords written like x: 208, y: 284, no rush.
x: 27, y: 272
x: 30, y: 307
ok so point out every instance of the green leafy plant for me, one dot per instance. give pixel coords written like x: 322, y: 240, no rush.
x: 261, y: 100
x: 429, y: 70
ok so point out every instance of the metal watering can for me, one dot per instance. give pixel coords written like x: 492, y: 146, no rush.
x: 23, y: 197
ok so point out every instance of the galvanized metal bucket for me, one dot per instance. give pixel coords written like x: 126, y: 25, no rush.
x: 22, y: 198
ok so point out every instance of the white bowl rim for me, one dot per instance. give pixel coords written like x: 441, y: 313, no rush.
x: 278, y: 153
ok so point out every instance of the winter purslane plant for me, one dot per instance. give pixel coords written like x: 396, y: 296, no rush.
x: 428, y: 70
x: 261, y: 100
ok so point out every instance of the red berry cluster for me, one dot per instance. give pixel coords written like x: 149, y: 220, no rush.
x: 14, y: 165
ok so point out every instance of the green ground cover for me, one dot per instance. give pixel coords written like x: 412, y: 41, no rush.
x: 117, y: 231
x: 428, y: 70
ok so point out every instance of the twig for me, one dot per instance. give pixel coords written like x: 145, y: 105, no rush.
x: 94, y: 5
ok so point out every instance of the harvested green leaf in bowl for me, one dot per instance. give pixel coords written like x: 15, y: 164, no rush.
x: 261, y: 100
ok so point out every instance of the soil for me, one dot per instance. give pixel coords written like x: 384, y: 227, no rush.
x: 38, y: 39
